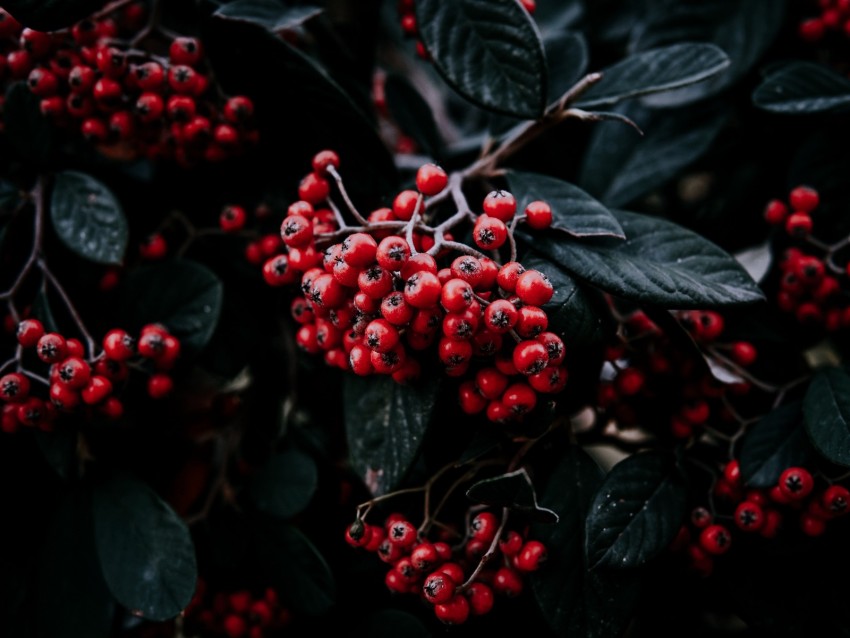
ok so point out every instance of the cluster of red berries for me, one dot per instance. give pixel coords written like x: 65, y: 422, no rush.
x: 760, y: 511
x: 127, y: 102
x: 238, y: 614
x: 810, y: 287
x: 649, y: 365
x: 407, y: 19
x: 373, y: 300
x: 834, y: 17
x: 439, y: 575
x: 73, y: 382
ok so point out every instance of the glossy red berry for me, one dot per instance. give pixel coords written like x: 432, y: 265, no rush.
x: 438, y: 587
x: 796, y: 483
x: 29, y: 331
x: 500, y: 204
x: 431, y: 179
x: 530, y: 357
x: 232, y: 219
x: 804, y: 199
x: 454, y: 611
x: 402, y: 533
x: 507, y: 582
x: 534, y: 288
x: 52, y: 347
x: 154, y: 247
x: 484, y: 526
x: 160, y: 386
x: 538, y: 215
x: 749, y: 517
x: 532, y: 555
x: 96, y: 391
x: 238, y: 109
x: 836, y: 499
x: 799, y: 225
x: 314, y: 189
x: 744, y: 353
x: 776, y: 212
x: 715, y: 539
x: 184, y: 50
x: 812, y: 525
x: 118, y: 345
x: 732, y: 472
x: 470, y: 399
x: 14, y: 387
x: 359, y: 249
x: 74, y: 372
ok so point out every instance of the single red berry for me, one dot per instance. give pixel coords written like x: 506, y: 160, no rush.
x: 32, y: 412
x: 421, y: 262
x: 234, y: 626
x: 508, y: 276
x: 431, y: 179
x: 836, y: 499
x: 381, y: 336
x: 185, y: 50
x: 29, y: 331
x: 484, y: 526
x: 715, y: 539
x: 424, y: 557
x: 232, y: 219
x: 500, y: 204
x: 507, y: 582
x: 438, y: 587
x: 796, y: 483
x: 454, y: 611
x: 812, y: 30
x: 111, y: 62
x: 700, y: 517
x: 530, y: 357
x: 160, y: 386
x: 323, y: 159
x: 404, y: 204
x: 37, y: 43
x: 314, y: 189
x: 14, y: 387
x: 154, y: 247
x: 732, y: 472
x: 422, y: 289
x: 52, y: 347
x: 799, y: 225
x: 98, y: 388
x: 744, y: 353
x: 491, y: 383
x: 489, y: 233
x: 118, y: 345
x: 148, y: 76
x: 534, y: 288
x: 469, y: 269
x: 238, y: 109
x: 519, y: 398
x: 549, y: 381
x: 359, y: 249
x: 500, y: 316
x: 749, y: 516
x: 402, y: 533
x: 776, y: 212
x: 812, y: 525
x: 276, y: 271
x: 531, y: 556
x: 392, y: 253
x: 804, y: 199
x: 112, y: 408
x: 511, y: 543
x: 471, y: 401
x: 630, y: 381
x: 538, y: 215
x: 74, y: 372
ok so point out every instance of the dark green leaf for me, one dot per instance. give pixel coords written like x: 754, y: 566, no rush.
x: 513, y: 490
x: 412, y: 114
x: 573, y: 211
x: 270, y: 14
x: 73, y: 600
x: 29, y: 133
x: 572, y: 313
x: 566, y: 55
x: 660, y: 263
x: 803, y: 87
x: 10, y: 195
x: 50, y: 15
x: 653, y: 71
x: 620, y: 165
x: 558, y: 17
x: 285, y: 486
x: 775, y: 443
x: 183, y: 295
x: 385, y: 423
x: 636, y: 512
x: 744, y: 30
x: 827, y: 414
x: 489, y: 51
x: 575, y: 601
x: 146, y: 553
x: 88, y: 218
x: 392, y: 623
x: 41, y: 310
x: 292, y: 563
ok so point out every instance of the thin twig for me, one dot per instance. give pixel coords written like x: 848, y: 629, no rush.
x: 491, y: 551
x: 72, y: 310
x: 341, y: 186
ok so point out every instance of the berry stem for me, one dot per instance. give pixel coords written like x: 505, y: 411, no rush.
x: 37, y: 197
x: 36, y: 377
x: 153, y: 24
x: 344, y: 193
x: 109, y: 9
x: 491, y: 551
x: 72, y: 310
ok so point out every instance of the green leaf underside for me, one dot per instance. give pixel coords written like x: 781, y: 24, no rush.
x: 385, y: 423
x: 88, y: 218
x: 567, y: 56
x: 573, y: 211
x: 803, y: 87
x: 146, y: 554
x: 636, y: 512
x: 183, y: 295
x: 776, y: 442
x: 826, y: 408
x: 660, y: 263
x: 489, y: 51
x: 270, y: 14
x: 513, y: 490
x: 620, y: 166
x: 291, y: 562
x: 573, y: 600
x: 286, y: 484
x: 655, y: 70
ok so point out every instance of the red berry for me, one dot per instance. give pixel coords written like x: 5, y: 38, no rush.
x: 96, y: 391
x: 154, y: 247
x: 744, y: 353
x: 775, y: 212
x: 323, y: 159
x: 732, y: 472
x: 148, y: 76
x: 469, y: 269
x: 404, y: 204
x: 749, y: 517
x: 422, y: 289
x: 484, y: 526
x: 118, y: 345
x: 489, y: 233
x: 799, y: 225
x: 402, y: 533
x: 238, y: 109
x: 29, y: 331
x: 480, y: 597
x: 812, y: 30
x: 232, y: 219
x: 630, y: 381
x: 314, y: 189
x: 530, y: 357
x: 471, y: 401
x: 500, y: 316
x: 438, y: 588
x: 74, y: 372
x: 234, y: 626
x: 454, y: 611
x: 804, y: 199
x: 836, y: 499
x: 812, y: 525
x: 796, y: 483
x: 715, y: 539
x: 431, y: 179
x: 500, y: 204
x: 508, y: 276
x: 52, y: 348
x: 424, y: 557
x: 531, y: 556
x: 359, y: 249
x: 159, y: 386
x: 392, y: 253
x: 185, y: 51
x: 534, y: 288
x: 14, y: 387
x: 507, y: 582
x: 538, y: 215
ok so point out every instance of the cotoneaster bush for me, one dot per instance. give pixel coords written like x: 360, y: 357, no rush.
x: 432, y: 317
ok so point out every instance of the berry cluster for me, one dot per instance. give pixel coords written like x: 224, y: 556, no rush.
x: 238, y: 614
x: 75, y: 383
x: 457, y: 583
x: 759, y: 511
x: 374, y: 300
x: 649, y: 365
x: 834, y: 17
x: 127, y: 102
x: 407, y: 19
x: 810, y: 287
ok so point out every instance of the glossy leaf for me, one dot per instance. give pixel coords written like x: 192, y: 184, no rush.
x: 286, y: 484
x: 743, y: 30
x: 270, y: 14
x: 513, y: 490
x: 183, y: 295
x: 573, y: 211
x: 827, y: 414
x: 620, y: 165
x: 653, y: 71
x: 88, y: 218
x: 803, y: 87
x: 489, y: 51
x: 385, y: 423
x: 567, y: 57
x: 776, y: 442
x: 636, y: 512
x: 574, y: 600
x: 146, y: 554
x: 660, y: 263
